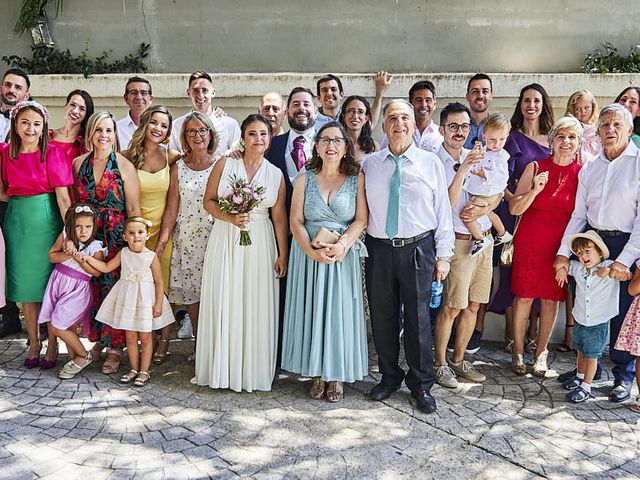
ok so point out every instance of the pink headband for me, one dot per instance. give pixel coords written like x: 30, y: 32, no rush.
x: 29, y: 103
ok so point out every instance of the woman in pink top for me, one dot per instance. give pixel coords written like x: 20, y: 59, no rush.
x: 36, y: 177
x: 70, y: 137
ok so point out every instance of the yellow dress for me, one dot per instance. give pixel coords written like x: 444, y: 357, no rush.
x: 153, y: 200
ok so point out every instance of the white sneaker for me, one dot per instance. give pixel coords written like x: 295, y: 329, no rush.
x: 186, y: 330
x: 507, y: 237
x: 479, y: 245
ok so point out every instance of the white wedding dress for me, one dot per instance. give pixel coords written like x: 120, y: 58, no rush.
x: 238, y: 322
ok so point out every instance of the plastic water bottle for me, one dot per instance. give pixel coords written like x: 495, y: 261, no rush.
x: 436, y: 294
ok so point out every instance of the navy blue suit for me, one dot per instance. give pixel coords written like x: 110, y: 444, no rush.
x: 276, y: 155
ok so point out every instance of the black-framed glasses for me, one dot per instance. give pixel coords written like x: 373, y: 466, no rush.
x: 142, y: 93
x: 456, y: 127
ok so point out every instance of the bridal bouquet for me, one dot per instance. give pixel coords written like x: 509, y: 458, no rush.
x: 243, y: 198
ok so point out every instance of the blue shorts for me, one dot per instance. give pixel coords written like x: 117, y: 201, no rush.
x: 591, y: 341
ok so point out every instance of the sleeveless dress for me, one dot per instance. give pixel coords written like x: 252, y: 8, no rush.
x: 190, y: 237
x: 153, y: 200
x: 324, y: 333
x: 107, y: 197
x: 129, y: 304
x: 522, y: 150
x: 238, y: 323
x: 540, y: 232
x: 68, y: 296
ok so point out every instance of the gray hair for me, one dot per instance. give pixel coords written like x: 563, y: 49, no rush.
x: 616, y: 108
x: 566, y: 122
x: 396, y: 101
x: 212, y: 146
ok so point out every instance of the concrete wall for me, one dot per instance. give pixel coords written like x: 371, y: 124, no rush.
x: 238, y: 94
x: 338, y: 35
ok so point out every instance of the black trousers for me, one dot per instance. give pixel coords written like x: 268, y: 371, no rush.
x: 406, y: 273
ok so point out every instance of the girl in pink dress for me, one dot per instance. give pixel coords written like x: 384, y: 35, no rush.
x: 68, y: 296
x: 136, y: 303
x: 629, y: 336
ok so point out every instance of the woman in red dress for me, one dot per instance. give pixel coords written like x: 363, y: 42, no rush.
x: 545, y: 198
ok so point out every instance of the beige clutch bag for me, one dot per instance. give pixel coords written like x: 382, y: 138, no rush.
x: 325, y: 235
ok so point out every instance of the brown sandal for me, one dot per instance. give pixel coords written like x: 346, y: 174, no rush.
x: 317, y: 388
x: 110, y: 366
x: 160, y: 358
x: 335, y: 392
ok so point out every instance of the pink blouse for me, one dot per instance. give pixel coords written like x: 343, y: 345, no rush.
x: 27, y: 175
x: 71, y: 149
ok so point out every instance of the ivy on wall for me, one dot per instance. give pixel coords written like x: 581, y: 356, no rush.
x: 54, y: 61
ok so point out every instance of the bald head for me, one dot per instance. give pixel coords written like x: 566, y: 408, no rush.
x: 272, y: 106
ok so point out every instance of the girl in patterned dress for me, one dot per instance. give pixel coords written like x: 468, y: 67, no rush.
x: 136, y: 303
x: 629, y: 336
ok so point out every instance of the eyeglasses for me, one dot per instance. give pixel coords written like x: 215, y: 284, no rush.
x: 142, y: 93
x: 326, y: 141
x: 203, y: 132
x: 354, y: 111
x: 456, y: 127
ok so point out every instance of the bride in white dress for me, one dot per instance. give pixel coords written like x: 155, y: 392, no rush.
x: 238, y: 327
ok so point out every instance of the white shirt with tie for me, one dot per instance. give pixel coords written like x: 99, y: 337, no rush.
x: 608, y: 197
x: 309, y: 139
x: 424, y: 198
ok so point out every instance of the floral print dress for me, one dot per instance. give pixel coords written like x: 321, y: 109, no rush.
x: 107, y: 197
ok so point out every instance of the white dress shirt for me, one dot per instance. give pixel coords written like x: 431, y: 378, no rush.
x: 463, y: 198
x: 424, y: 199
x: 596, y: 298
x: 496, y: 170
x: 607, y: 199
x: 5, y: 126
x: 226, y: 127
x: 309, y: 137
x: 126, y: 129
x: 429, y: 140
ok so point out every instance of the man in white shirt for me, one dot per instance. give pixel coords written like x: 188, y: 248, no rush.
x: 607, y: 201
x: 138, y: 96
x: 272, y: 107
x: 422, y: 96
x: 14, y: 89
x: 201, y: 92
x: 409, y: 238
x: 469, y: 281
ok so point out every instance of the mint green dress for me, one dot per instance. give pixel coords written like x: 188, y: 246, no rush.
x: 324, y: 333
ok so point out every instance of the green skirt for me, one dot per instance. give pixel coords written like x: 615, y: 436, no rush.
x: 31, y: 227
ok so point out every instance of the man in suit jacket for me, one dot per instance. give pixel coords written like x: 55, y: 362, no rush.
x: 291, y: 150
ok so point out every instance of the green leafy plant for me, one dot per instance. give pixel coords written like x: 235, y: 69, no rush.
x: 52, y: 61
x: 29, y: 11
x: 608, y: 60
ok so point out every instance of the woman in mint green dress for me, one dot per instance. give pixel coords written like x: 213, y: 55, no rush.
x: 325, y: 335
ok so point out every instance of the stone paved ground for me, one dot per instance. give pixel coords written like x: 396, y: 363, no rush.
x: 510, y: 427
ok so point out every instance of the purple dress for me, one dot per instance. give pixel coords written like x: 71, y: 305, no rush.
x: 523, y: 151
x: 68, y: 296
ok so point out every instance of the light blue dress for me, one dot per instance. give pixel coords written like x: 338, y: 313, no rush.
x: 324, y: 331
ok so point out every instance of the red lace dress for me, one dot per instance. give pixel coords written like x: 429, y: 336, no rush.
x: 540, y: 233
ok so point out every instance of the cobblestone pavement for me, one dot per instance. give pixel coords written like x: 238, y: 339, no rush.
x: 91, y: 427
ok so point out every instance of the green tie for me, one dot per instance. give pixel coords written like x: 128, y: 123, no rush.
x: 394, y: 197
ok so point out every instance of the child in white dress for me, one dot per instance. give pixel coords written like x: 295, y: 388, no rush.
x: 136, y: 303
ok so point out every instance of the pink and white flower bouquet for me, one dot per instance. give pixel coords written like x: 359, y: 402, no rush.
x: 244, y: 197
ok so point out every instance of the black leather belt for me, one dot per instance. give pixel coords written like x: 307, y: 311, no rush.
x: 610, y: 233
x: 401, y: 242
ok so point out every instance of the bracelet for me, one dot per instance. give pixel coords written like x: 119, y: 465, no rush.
x: 561, y: 267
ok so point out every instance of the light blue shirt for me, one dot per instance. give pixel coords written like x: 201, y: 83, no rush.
x: 596, y: 298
